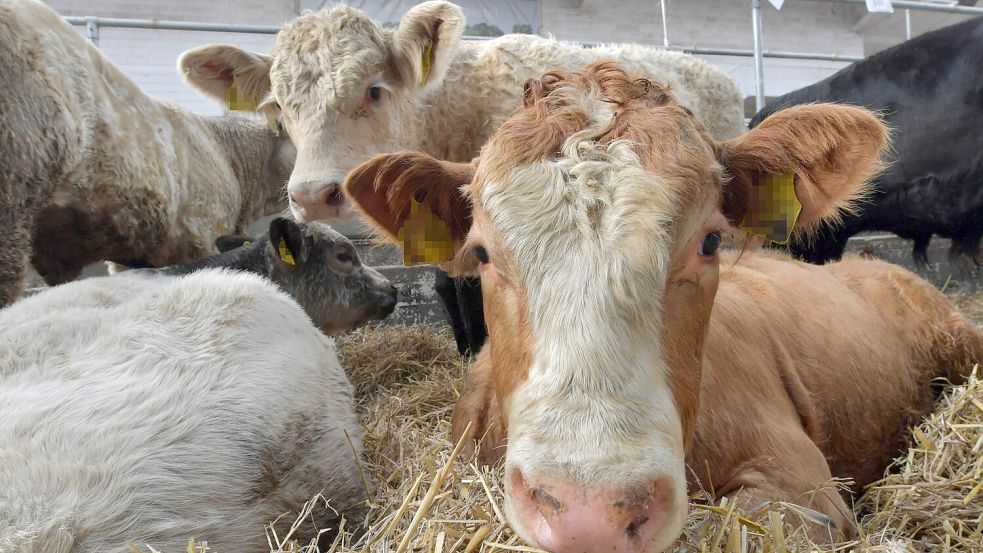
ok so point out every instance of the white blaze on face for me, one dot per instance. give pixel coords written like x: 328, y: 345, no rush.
x: 596, y: 416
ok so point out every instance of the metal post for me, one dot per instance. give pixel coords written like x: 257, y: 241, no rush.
x: 759, y: 60
x: 92, y: 30
x: 907, y: 24
x: 665, y: 25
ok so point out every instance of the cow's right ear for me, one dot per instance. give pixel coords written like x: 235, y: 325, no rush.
x: 382, y: 190
x: 238, y: 78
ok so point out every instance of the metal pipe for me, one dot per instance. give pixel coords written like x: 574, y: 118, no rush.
x: 665, y: 25
x: 766, y: 53
x: 924, y: 6
x: 759, y: 62
x: 92, y: 30
x: 173, y: 25
x: 907, y: 24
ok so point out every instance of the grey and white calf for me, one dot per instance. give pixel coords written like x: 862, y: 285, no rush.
x: 312, y: 262
x: 157, y: 409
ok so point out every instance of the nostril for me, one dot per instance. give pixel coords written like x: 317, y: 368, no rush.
x: 335, y: 196
x: 546, y: 503
x: 635, y: 525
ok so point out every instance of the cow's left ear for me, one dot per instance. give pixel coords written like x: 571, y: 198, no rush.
x: 383, y: 188
x: 828, y: 151
x: 229, y: 74
x: 425, y: 43
x: 287, y: 241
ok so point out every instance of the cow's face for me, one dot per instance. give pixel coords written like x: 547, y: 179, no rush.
x: 344, y: 87
x: 594, y: 220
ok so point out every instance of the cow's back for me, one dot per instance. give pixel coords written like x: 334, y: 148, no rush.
x: 161, y: 408
x: 484, y: 86
x: 847, y: 350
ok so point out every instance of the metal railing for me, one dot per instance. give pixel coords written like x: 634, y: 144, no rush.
x: 93, y: 24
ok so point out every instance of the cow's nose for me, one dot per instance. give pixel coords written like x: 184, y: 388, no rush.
x: 326, y: 202
x: 563, y: 517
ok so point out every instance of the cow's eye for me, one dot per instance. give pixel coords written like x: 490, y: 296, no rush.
x: 374, y: 93
x: 710, y: 244
x: 481, y: 254
x: 345, y: 257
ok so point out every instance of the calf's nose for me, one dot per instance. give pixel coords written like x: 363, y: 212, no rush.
x: 326, y: 202
x: 563, y: 517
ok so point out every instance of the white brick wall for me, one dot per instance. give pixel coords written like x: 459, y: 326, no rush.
x: 800, y: 26
x: 149, y: 57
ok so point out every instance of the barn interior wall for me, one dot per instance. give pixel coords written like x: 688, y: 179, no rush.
x: 148, y: 56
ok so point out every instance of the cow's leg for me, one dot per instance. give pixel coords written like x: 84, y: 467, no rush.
x: 472, y: 313
x: 444, y: 287
x: 919, y: 250
x: 793, y: 469
x: 15, y: 254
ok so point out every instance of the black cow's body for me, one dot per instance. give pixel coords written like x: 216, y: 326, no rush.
x: 930, y: 91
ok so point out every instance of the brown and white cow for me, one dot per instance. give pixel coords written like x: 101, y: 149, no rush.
x: 629, y: 361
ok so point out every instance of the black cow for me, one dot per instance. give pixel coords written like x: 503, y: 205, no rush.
x: 930, y: 91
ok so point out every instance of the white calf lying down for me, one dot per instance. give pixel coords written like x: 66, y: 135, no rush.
x: 158, y: 409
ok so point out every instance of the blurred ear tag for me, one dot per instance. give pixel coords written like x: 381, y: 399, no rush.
x: 237, y: 100
x: 426, y: 239
x: 284, y: 252
x: 426, y: 61
x: 773, y: 208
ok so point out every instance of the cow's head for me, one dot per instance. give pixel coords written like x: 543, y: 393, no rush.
x: 343, y: 86
x: 595, y: 214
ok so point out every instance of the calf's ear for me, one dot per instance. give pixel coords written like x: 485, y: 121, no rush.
x: 829, y: 151
x: 287, y: 241
x: 425, y: 43
x: 238, y: 78
x: 231, y: 242
x: 382, y: 190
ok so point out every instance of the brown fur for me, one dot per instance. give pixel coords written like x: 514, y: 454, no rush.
x: 784, y: 374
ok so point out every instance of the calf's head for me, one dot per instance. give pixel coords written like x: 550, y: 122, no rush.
x: 343, y: 86
x: 594, y: 215
x: 321, y: 269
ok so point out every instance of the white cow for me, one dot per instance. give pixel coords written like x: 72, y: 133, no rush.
x: 346, y: 88
x: 91, y: 168
x: 157, y: 409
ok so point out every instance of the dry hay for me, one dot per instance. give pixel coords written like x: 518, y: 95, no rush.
x: 427, y: 499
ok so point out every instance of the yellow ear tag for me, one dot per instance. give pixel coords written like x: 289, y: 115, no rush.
x: 238, y: 100
x: 426, y: 61
x: 285, y: 254
x: 426, y: 239
x: 773, y: 208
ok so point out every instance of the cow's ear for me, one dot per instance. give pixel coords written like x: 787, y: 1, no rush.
x: 239, y: 79
x: 232, y: 241
x: 425, y: 43
x: 287, y: 241
x: 383, y: 189
x: 827, y: 152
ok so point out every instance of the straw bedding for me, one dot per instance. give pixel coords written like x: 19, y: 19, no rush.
x: 427, y: 498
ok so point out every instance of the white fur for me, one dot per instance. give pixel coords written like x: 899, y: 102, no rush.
x: 160, y: 182
x: 590, y: 231
x: 157, y: 409
x: 472, y: 89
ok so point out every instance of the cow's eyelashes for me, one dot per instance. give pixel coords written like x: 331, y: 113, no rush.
x: 481, y: 254
x: 710, y: 243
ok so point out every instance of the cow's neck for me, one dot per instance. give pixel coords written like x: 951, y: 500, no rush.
x: 459, y: 117
x: 250, y: 148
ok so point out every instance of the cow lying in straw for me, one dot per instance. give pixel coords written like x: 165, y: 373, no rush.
x: 594, y: 215
x: 156, y: 409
